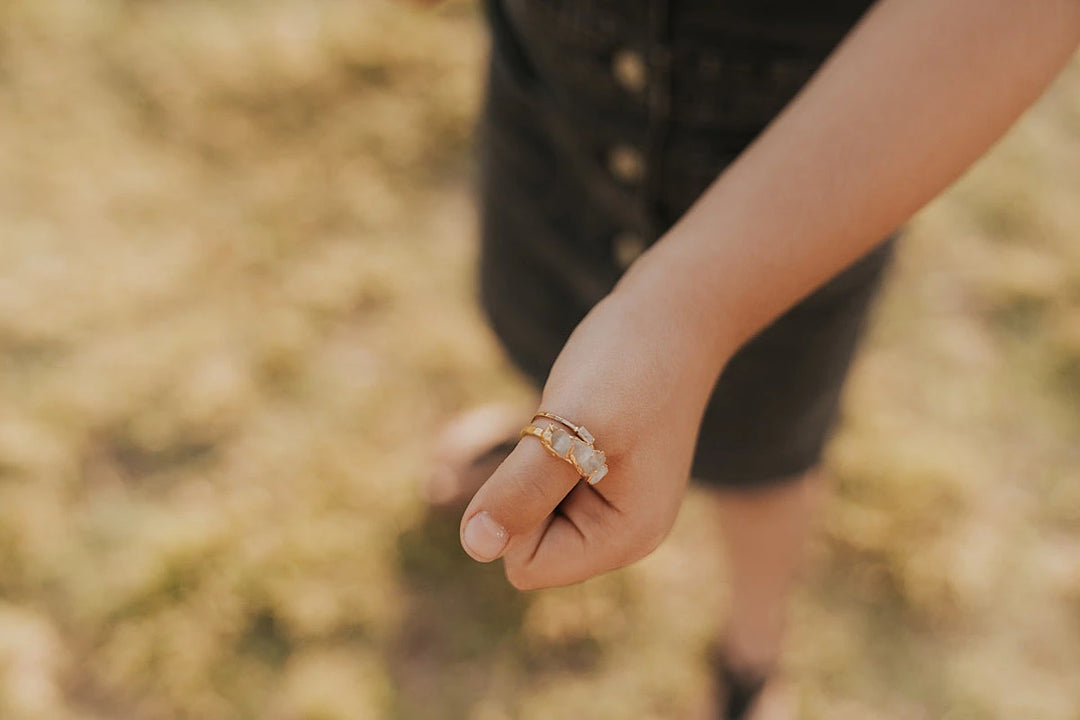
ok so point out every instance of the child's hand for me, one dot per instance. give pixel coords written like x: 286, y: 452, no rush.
x: 637, y: 379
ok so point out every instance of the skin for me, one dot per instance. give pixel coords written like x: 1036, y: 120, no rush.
x: 916, y: 93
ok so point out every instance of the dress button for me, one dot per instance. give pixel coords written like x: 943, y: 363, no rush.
x: 628, y: 67
x: 626, y: 164
x: 626, y: 247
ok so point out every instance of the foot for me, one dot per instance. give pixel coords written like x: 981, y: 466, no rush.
x: 742, y: 693
x: 467, y: 451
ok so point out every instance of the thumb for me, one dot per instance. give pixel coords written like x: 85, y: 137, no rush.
x: 520, y: 495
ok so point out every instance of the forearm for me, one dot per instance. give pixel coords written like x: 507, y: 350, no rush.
x: 915, y: 94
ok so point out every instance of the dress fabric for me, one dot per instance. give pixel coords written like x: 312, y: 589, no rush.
x: 602, y: 122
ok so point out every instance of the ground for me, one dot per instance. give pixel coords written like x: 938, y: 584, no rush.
x: 237, y: 255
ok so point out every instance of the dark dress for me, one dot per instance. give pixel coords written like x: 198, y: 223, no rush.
x: 603, y: 121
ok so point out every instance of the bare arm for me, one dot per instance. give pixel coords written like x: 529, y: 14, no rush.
x: 915, y: 94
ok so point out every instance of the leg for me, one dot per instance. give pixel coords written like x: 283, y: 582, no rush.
x: 765, y: 531
x: 761, y: 436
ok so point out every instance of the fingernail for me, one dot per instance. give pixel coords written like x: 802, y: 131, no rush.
x: 484, y: 538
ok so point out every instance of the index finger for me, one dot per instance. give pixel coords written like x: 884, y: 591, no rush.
x: 522, y: 492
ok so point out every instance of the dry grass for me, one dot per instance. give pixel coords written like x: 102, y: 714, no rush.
x: 236, y: 247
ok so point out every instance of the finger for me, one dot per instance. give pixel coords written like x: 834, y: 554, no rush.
x: 521, y: 493
x: 579, y: 541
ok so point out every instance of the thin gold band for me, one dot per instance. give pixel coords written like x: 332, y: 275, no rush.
x: 578, y: 429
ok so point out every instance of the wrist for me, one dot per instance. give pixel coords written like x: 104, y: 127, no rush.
x: 667, y: 293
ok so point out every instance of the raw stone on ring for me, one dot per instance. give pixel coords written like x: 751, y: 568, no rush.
x: 584, y: 456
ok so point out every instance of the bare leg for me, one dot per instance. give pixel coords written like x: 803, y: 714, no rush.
x: 765, y: 531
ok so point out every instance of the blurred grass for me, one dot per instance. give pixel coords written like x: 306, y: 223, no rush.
x: 236, y: 249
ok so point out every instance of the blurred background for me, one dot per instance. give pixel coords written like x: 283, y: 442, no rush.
x: 236, y: 296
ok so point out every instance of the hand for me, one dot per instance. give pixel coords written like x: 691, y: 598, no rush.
x: 635, y: 375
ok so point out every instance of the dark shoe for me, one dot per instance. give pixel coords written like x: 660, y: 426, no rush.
x: 740, y: 688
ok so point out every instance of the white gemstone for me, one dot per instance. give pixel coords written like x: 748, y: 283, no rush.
x: 586, y: 457
x: 561, y: 442
x: 598, y: 475
x: 586, y: 435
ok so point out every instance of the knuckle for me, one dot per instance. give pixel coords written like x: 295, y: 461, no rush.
x: 632, y: 551
x: 642, y: 542
x: 532, y: 486
x: 519, y: 577
x: 527, y: 497
x: 652, y: 539
x: 596, y: 521
x: 626, y: 550
x: 520, y: 502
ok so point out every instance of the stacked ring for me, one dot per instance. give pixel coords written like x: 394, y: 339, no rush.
x: 579, y: 451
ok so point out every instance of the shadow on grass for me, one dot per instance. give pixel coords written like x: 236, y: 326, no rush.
x: 462, y: 645
x: 462, y: 631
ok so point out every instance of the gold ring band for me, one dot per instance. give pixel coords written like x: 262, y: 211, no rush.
x: 579, y: 452
x: 579, y: 430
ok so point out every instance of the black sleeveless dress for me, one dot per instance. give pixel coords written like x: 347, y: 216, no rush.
x: 603, y: 122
